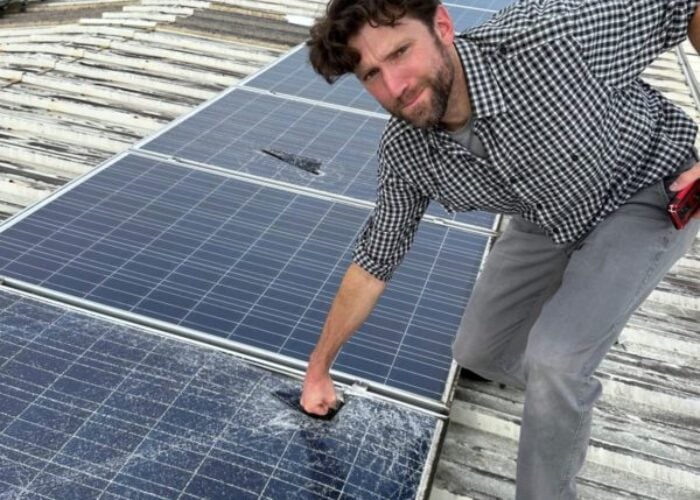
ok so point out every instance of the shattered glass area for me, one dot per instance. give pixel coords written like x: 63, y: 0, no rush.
x: 95, y: 409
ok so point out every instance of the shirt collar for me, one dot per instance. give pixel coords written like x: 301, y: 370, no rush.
x: 486, y: 98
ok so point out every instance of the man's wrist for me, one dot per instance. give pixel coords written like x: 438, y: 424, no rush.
x: 319, y: 367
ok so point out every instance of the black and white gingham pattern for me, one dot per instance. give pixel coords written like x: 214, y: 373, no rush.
x: 570, y: 130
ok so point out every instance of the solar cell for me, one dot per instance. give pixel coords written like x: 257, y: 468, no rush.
x: 250, y: 132
x: 97, y: 409
x: 244, y: 262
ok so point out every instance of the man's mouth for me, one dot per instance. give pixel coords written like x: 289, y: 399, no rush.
x: 411, y: 100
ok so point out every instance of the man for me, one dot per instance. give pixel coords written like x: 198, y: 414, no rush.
x: 539, y: 113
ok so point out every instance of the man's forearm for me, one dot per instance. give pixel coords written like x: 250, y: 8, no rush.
x: 356, y: 297
x: 694, y: 30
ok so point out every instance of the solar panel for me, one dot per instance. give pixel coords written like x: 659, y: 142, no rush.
x: 97, y: 409
x: 292, y: 75
x: 465, y: 17
x: 246, y: 263
x: 235, y: 132
x: 275, y: 138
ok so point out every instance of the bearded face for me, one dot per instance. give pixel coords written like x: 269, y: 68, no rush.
x: 425, y: 105
x: 407, y: 68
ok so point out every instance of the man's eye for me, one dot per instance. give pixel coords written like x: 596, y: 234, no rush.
x: 369, y: 76
x: 402, y: 50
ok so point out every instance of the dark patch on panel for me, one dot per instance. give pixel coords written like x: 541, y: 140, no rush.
x: 311, y: 165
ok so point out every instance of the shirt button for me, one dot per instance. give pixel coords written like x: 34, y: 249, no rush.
x: 503, y: 49
x: 514, y: 180
x: 574, y: 158
x: 539, y: 206
x: 555, y: 230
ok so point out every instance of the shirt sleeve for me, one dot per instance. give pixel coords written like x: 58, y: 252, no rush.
x: 389, y: 232
x: 620, y: 38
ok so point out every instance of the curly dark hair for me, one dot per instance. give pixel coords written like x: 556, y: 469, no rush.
x: 329, y: 53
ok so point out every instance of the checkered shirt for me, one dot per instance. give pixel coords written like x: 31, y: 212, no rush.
x: 570, y: 130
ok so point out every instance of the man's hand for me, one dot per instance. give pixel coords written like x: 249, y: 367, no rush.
x: 318, y: 395
x: 686, y: 179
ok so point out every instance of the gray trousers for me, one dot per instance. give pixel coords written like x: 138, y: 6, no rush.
x: 543, y: 316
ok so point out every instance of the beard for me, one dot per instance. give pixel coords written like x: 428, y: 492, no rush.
x: 439, y: 85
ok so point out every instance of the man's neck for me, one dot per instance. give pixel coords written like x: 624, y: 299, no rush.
x: 458, y: 105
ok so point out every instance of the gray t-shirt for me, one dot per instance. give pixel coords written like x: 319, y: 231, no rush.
x: 466, y: 137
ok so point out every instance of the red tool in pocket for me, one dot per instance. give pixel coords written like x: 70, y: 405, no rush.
x: 684, y: 205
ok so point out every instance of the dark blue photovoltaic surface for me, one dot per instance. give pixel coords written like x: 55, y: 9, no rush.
x: 93, y: 409
x: 244, y: 262
x: 232, y: 133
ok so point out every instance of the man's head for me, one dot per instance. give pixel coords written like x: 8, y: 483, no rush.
x: 398, y: 49
x: 330, y: 54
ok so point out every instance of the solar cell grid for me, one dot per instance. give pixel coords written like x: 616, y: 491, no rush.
x: 246, y: 263
x: 97, y: 409
x: 233, y: 132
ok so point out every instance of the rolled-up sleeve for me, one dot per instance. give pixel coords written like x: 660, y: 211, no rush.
x: 620, y: 38
x: 389, y: 232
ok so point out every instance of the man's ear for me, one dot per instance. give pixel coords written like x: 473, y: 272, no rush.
x: 443, y: 26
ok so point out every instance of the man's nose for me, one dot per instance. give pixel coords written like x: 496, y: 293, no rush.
x: 396, y: 83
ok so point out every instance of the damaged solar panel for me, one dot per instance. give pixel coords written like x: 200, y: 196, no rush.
x: 98, y: 409
x: 288, y: 141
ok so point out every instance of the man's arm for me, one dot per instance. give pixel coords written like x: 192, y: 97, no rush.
x: 356, y: 297
x: 379, y: 249
x: 619, y: 39
x: 694, y: 30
